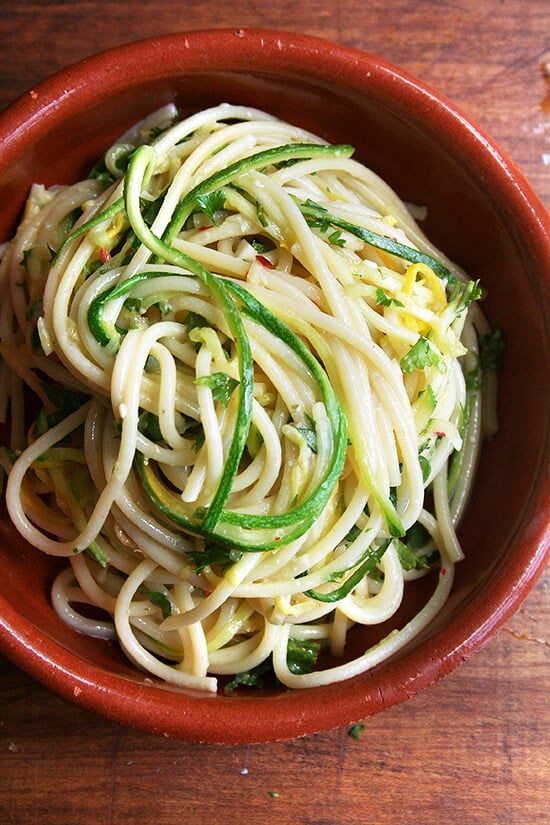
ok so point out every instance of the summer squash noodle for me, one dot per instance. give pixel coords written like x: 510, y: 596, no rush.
x: 256, y: 400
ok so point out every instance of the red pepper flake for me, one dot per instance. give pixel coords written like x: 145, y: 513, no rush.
x: 439, y: 434
x: 205, y: 227
x: 129, y: 251
x: 105, y: 255
x: 443, y: 571
x: 265, y: 261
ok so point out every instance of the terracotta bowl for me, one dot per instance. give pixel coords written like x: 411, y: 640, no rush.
x: 481, y: 211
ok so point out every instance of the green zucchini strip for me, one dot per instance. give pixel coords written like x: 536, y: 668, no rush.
x: 233, y: 536
x: 277, y: 154
x: 266, y: 532
x: 371, y: 559
x: 288, y: 525
x: 139, y: 167
x: 112, y: 210
x: 313, y: 212
x: 95, y: 320
x: 387, y: 507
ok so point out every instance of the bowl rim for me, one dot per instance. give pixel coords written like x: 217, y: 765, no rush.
x: 116, y: 697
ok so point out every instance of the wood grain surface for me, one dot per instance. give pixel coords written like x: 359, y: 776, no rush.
x: 474, y: 748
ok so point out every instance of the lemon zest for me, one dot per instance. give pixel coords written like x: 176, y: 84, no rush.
x: 439, y: 299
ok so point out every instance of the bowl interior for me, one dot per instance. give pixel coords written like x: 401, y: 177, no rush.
x: 480, y: 211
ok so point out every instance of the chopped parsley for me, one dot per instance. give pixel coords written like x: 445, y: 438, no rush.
x: 301, y: 658
x: 421, y: 355
x: 417, y: 536
x: 336, y: 239
x: 148, y: 424
x: 212, y: 203
x: 425, y: 466
x: 384, y: 300
x: 257, y: 677
x: 356, y: 730
x: 408, y: 558
x: 196, y: 431
x: 462, y: 295
x: 65, y: 402
x: 160, y: 600
x: 221, y: 384
x: 193, y: 320
x: 301, y: 655
x: 214, y: 554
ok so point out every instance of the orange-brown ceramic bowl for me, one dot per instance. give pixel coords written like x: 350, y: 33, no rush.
x: 481, y: 211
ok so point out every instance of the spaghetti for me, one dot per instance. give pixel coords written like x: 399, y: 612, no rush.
x: 259, y: 399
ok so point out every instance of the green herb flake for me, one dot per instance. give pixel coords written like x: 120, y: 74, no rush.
x: 421, y: 355
x: 221, y: 384
x: 356, y: 730
x: 301, y: 655
x: 462, y: 295
x: 212, y: 203
x: 65, y: 401
x: 336, y: 239
x: 425, y: 466
x: 150, y: 209
x: 160, y: 600
x: 193, y: 320
x: 301, y: 658
x: 71, y: 219
x: 408, y: 558
x: 196, y: 431
x: 148, y: 424
x: 91, y: 266
x: 417, y: 536
x: 214, y: 554
x: 309, y: 436
x: 384, y: 300
x: 257, y: 677
x: 254, y: 440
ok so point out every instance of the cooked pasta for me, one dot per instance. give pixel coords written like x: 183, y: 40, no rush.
x: 257, y: 386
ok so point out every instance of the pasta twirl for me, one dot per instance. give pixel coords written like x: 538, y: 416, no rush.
x: 258, y: 386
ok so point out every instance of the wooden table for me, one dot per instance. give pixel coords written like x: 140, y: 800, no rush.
x: 474, y: 748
